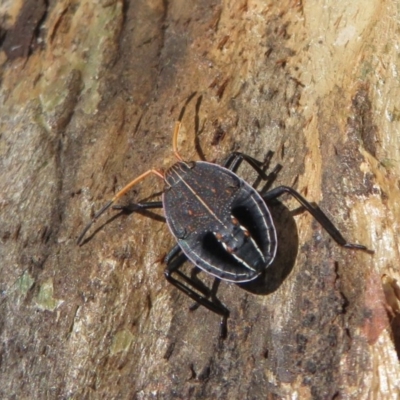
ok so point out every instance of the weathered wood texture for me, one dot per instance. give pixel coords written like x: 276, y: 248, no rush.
x: 89, y: 94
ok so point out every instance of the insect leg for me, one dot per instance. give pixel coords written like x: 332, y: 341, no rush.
x: 176, y: 255
x: 115, y: 198
x: 235, y: 159
x: 138, y: 206
x: 172, y: 254
x: 316, y: 212
x: 214, y: 306
x: 209, y: 293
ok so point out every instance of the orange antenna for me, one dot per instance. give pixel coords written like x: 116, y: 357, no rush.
x: 130, y: 185
x: 175, y: 140
x: 125, y: 189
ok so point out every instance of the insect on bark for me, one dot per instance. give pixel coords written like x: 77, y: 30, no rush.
x: 220, y: 222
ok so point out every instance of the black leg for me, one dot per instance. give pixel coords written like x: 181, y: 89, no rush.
x: 208, y: 293
x: 215, y: 305
x: 235, y: 159
x: 138, y: 206
x: 172, y: 254
x: 180, y: 258
x: 316, y: 212
x: 128, y: 208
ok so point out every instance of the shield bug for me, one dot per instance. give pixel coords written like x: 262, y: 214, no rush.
x: 220, y: 222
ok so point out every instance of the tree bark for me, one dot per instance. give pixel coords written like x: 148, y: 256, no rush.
x: 89, y: 95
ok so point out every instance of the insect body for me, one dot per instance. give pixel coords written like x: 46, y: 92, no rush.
x: 221, y: 224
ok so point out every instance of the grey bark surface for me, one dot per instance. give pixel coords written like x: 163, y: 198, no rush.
x: 89, y: 95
